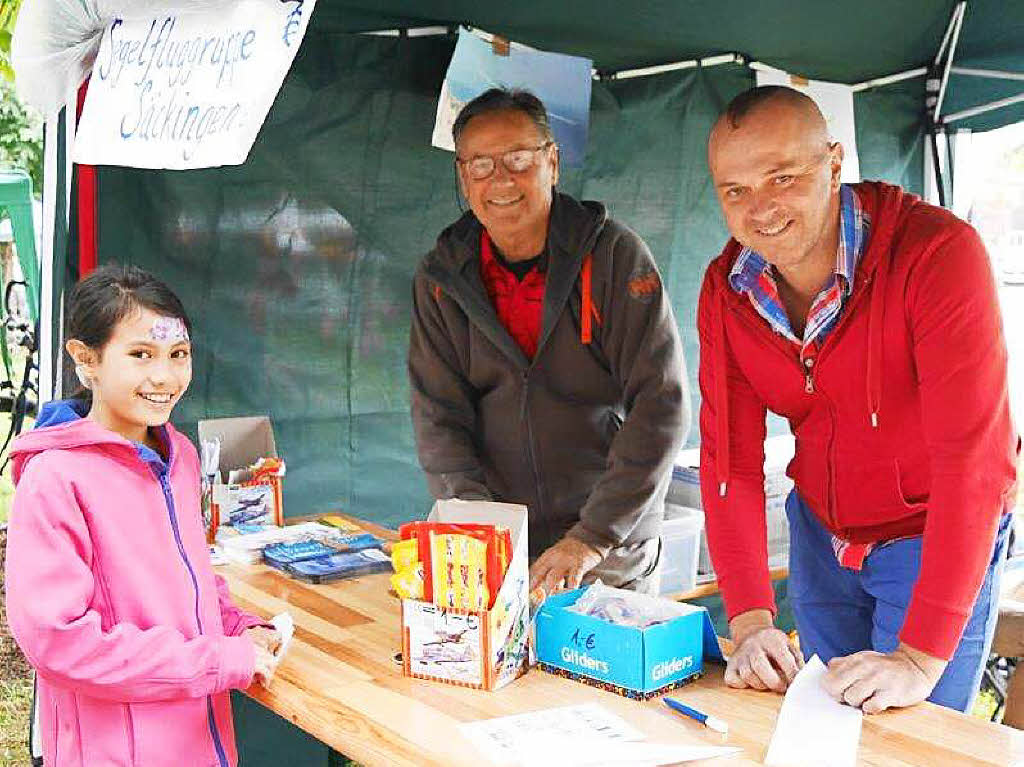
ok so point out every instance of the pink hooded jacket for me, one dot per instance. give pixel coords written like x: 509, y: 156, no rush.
x: 112, y: 598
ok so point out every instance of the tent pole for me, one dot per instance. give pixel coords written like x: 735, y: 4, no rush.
x: 760, y: 66
x: 710, y: 61
x: 957, y: 21
x: 995, y: 74
x: 1009, y: 101
x: 933, y: 133
x: 945, y: 37
x: 889, y: 79
x: 935, y: 90
x: 409, y: 32
x: 46, y: 341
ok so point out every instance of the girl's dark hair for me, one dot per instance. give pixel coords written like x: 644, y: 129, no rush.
x: 108, y: 295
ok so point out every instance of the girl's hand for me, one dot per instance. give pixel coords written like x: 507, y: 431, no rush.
x: 267, y: 638
x: 266, y: 662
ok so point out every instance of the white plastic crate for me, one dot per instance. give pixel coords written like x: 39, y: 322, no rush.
x: 680, y: 548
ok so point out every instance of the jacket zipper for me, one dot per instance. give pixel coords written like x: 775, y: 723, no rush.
x: 525, y: 415
x: 443, y: 278
x: 807, y: 370
x: 833, y: 499
x: 173, y: 517
x: 541, y: 343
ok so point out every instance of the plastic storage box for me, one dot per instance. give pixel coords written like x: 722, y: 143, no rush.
x: 680, y: 552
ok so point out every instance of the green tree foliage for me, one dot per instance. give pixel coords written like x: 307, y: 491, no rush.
x: 21, y: 135
x: 8, y: 14
x: 21, y: 128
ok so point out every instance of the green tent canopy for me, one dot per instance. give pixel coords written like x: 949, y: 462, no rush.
x: 16, y: 203
x: 840, y: 42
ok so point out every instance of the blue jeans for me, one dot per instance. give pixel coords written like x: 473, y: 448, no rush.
x: 840, y: 611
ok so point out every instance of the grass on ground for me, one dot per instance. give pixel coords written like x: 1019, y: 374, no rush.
x: 15, y: 688
x: 15, y: 673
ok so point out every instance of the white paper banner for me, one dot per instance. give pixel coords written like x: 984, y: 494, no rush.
x: 189, y: 90
x: 835, y: 101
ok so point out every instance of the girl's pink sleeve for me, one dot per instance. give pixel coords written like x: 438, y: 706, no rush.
x: 234, y: 618
x: 50, y: 587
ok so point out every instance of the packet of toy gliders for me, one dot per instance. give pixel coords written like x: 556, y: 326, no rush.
x: 345, y: 564
x: 280, y: 555
x: 460, y: 564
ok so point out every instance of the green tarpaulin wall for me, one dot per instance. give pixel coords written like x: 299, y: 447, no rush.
x: 296, y: 266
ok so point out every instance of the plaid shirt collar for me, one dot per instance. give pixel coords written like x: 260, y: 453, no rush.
x: 752, y: 275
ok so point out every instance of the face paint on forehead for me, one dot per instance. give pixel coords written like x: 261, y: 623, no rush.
x: 168, y: 329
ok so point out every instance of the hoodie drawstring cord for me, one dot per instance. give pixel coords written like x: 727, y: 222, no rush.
x: 876, y: 339
x: 588, y: 311
x: 721, y: 398
x: 876, y: 323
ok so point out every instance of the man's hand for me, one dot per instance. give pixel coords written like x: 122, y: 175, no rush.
x: 267, y: 638
x: 563, y: 565
x: 763, y: 657
x: 875, y: 681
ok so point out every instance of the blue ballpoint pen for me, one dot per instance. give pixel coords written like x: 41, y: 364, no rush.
x: 710, y: 722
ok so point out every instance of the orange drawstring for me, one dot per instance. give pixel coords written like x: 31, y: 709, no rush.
x: 587, y: 307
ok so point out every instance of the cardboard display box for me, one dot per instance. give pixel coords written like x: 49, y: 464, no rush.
x: 485, y: 650
x: 637, y: 663
x: 243, y: 441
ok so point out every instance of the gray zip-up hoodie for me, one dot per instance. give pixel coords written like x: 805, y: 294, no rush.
x: 584, y: 434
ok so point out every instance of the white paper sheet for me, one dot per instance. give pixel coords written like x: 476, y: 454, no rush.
x: 576, y: 736
x: 285, y: 625
x: 567, y: 752
x: 501, y: 739
x: 813, y: 729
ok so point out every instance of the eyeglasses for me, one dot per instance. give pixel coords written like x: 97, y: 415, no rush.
x: 515, y: 161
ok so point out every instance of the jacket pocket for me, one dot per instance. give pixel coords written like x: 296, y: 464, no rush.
x: 872, y: 493
x: 107, y: 736
x: 129, y: 732
x: 72, y: 737
x: 170, y: 733
x: 56, y: 734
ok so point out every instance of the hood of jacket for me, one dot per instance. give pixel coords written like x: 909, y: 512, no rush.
x: 62, y: 425
x: 573, y: 229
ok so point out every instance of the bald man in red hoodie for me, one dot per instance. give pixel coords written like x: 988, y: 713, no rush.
x: 869, y: 320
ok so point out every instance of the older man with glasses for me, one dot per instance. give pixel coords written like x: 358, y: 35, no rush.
x: 544, y: 358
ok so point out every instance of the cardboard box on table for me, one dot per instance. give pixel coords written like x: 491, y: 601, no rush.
x: 485, y: 650
x: 637, y: 663
x: 243, y: 441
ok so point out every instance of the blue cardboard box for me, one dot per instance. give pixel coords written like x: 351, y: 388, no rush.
x: 638, y: 663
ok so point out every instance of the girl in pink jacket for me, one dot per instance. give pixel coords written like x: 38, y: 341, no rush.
x: 110, y: 591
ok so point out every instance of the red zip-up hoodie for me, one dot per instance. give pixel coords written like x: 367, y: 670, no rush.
x: 902, y: 420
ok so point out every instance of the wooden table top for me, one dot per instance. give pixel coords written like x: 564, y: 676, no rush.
x: 341, y: 683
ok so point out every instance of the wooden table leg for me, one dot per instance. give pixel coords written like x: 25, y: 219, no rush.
x: 1013, y: 715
